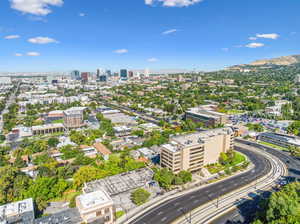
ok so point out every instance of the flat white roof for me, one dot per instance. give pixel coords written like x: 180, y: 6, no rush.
x: 16, y: 208
x: 96, y: 198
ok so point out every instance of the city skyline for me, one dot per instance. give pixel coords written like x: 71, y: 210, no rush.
x: 61, y: 35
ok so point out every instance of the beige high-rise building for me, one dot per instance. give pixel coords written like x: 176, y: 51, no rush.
x: 73, y: 117
x: 193, y: 151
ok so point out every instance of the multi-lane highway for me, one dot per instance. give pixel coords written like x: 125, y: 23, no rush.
x: 173, y: 209
x: 240, y: 198
x: 242, y: 213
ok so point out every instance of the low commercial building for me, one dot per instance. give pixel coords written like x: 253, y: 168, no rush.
x: 73, y: 117
x: 20, y: 212
x: 206, y: 116
x: 279, y: 139
x: 193, y: 151
x: 96, y: 207
x: 121, y: 183
x: 47, y: 129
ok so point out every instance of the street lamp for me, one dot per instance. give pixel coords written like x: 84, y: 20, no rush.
x: 188, y: 219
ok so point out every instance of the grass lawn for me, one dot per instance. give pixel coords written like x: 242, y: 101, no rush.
x: 217, y: 167
x: 273, y: 146
x: 232, y: 112
x: 58, y: 121
x: 118, y: 214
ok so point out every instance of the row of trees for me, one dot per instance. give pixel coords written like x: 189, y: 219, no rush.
x: 167, y: 178
x: 283, y: 207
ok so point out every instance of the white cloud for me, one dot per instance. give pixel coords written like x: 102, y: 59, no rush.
x: 238, y: 46
x: 42, y: 40
x: 148, y: 2
x: 252, y: 38
x: 121, y: 51
x: 12, y: 37
x: 152, y: 60
x: 255, y: 45
x: 82, y: 14
x: 273, y: 36
x: 169, y: 31
x: 18, y: 54
x: 173, y: 3
x: 35, y: 7
x: 33, y: 54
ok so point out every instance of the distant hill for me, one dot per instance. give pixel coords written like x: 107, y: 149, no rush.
x: 268, y: 63
x: 285, y: 60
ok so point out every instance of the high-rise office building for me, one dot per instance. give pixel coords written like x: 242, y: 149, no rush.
x: 123, y: 73
x: 102, y: 78
x: 75, y: 75
x: 193, y: 151
x: 85, y: 76
x: 108, y: 73
x: 98, y: 73
x: 130, y: 74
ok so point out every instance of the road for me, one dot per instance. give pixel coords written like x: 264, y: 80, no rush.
x: 242, y: 213
x: 170, y: 210
x: 291, y: 162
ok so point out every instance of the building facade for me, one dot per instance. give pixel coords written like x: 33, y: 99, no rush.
x: 75, y: 75
x: 206, y: 116
x: 123, y: 73
x: 193, y: 151
x: 17, y: 212
x: 96, y: 207
x: 73, y: 117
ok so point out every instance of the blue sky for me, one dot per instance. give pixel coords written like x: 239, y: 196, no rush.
x: 61, y: 35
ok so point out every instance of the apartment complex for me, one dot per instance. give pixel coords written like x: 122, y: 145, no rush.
x: 206, y: 115
x: 73, y: 117
x: 193, y: 151
x: 96, y: 207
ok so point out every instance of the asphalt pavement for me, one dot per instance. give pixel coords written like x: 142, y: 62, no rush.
x: 245, y: 212
x: 170, y: 210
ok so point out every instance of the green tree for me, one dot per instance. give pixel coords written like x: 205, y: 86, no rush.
x: 140, y: 196
x: 186, y: 176
x: 87, y: 174
x: 13, y: 184
x: 53, y: 142
x: 164, y: 177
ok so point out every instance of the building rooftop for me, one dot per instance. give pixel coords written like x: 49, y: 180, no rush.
x: 286, y: 138
x: 74, y: 110
x: 47, y: 126
x: 205, y: 113
x: 120, y: 183
x: 94, y: 199
x: 178, y: 142
x: 17, y: 212
x: 102, y: 148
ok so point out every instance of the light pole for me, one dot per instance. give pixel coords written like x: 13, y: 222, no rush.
x: 188, y: 219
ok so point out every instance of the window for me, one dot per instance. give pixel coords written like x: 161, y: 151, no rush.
x: 98, y: 213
